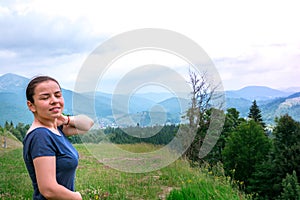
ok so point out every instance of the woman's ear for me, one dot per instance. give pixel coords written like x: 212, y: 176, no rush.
x: 31, y: 106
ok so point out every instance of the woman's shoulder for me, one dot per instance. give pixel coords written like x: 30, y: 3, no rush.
x: 35, y: 130
x: 40, y: 132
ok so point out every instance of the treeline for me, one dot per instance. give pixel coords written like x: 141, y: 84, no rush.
x: 19, y: 131
x: 264, y: 163
x: 158, y: 135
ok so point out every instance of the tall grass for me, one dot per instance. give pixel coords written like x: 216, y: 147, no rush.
x: 97, y: 181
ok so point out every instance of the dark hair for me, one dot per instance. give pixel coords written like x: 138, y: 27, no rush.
x: 33, y: 83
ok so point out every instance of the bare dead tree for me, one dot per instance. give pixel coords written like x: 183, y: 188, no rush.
x: 202, y: 94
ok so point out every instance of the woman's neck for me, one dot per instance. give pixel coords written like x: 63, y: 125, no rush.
x: 51, y: 124
x: 38, y: 122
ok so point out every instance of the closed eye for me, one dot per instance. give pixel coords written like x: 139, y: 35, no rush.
x: 44, y: 97
x: 58, y: 94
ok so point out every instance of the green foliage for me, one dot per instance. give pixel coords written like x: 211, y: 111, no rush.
x: 131, y: 135
x: 232, y: 120
x: 246, y: 147
x: 19, y: 131
x: 291, y: 187
x: 193, y: 150
x: 261, y: 182
x: 286, y: 149
x: 283, y: 159
x: 154, y: 135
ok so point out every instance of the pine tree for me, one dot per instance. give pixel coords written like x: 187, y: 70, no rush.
x: 245, y: 148
x: 255, y: 114
x: 286, y: 149
x: 284, y: 158
x: 291, y: 187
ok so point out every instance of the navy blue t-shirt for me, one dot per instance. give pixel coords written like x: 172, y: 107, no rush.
x: 43, y: 142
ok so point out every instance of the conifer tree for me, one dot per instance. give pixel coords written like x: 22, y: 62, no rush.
x: 291, y: 187
x: 284, y: 158
x: 255, y: 114
x: 245, y: 148
x: 286, y: 149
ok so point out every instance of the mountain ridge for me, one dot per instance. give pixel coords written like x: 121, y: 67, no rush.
x: 257, y: 93
x: 272, y: 102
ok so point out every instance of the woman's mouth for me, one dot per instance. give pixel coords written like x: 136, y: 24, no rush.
x: 55, y: 109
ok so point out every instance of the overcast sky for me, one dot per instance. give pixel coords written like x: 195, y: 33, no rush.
x: 250, y: 42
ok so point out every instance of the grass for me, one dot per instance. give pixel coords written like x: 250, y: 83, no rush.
x: 98, y: 181
x: 14, y: 179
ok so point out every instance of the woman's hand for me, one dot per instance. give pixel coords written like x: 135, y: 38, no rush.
x: 74, y: 125
x: 79, y: 197
x: 63, y: 120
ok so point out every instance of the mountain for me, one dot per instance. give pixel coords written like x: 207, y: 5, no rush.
x: 155, y: 97
x: 13, y: 104
x: 13, y: 108
x: 145, y: 109
x: 241, y: 104
x: 13, y: 99
x: 292, y: 89
x: 281, y: 106
x: 257, y: 93
x: 175, y: 105
x: 13, y: 83
x: 269, y: 101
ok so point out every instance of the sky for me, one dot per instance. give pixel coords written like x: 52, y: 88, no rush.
x: 249, y: 42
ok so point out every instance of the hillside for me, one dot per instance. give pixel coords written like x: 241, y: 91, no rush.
x: 272, y: 103
x: 95, y: 180
x: 9, y: 141
x: 14, y: 108
x: 241, y: 104
x: 166, y: 107
x: 281, y: 106
x: 13, y: 83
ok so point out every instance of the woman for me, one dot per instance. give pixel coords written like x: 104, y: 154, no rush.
x: 50, y: 158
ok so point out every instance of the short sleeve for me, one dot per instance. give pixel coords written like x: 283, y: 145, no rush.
x: 42, y: 144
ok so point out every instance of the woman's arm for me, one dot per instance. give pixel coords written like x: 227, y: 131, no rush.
x: 45, y: 171
x: 73, y: 125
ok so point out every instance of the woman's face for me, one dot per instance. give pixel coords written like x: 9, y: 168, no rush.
x: 48, y: 100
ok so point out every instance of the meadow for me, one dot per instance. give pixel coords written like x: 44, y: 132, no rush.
x: 98, y: 181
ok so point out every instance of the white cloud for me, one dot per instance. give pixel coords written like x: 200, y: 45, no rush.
x: 250, y: 42
x: 268, y: 65
x: 34, y: 34
x: 33, y: 43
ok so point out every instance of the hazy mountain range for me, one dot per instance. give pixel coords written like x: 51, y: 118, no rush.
x: 141, y: 108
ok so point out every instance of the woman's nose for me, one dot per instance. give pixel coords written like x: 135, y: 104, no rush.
x: 54, y: 100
